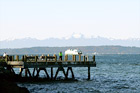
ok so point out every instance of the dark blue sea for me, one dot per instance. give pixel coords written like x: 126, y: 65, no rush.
x: 115, y: 73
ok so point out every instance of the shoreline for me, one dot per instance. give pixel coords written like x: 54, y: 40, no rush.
x: 8, y: 84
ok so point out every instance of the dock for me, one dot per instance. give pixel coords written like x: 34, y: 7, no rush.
x: 41, y: 63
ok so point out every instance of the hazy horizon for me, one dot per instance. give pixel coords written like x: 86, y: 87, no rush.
x: 72, y: 41
x: 60, y: 19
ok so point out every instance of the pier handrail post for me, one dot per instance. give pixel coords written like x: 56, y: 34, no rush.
x: 22, y: 58
x: 87, y: 58
x: 79, y: 57
x: 75, y: 58
x: 25, y: 58
x: 66, y: 57
x: 17, y: 58
x: 45, y: 58
x: 84, y: 58
x: 12, y: 58
x: 6, y: 58
x: 55, y: 57
x: 48, y: 56
x: 36, y: 58
x: 72, y: 57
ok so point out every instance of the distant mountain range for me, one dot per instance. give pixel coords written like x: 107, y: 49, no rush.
x: 55, y: 42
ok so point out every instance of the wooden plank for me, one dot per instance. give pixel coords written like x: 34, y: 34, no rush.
x: 17, y: 66
x: 49, y: 64
x: 15, y: 63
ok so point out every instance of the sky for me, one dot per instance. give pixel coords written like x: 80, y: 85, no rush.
x: 42, y: 19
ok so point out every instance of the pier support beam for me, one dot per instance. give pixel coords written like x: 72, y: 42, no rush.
x: 70, y: 68
x: 10, y: 69
x: 51, y: 73
x: 35, y: 69
x: 27, y: 72
x: 89, y: 73
x: 44, y: 70
x: 60, y: 69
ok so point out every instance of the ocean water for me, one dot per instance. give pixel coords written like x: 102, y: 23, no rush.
x: 114, y: 74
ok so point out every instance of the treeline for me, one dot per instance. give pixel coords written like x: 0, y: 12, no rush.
x: 84, y: 49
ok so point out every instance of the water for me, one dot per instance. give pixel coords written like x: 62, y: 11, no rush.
x: 113, y: 74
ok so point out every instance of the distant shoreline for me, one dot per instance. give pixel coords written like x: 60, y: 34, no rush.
x: 91, y: 50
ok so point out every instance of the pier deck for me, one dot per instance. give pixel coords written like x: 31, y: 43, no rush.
x: 43, y: 62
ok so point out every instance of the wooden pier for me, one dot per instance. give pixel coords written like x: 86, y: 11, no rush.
x: 39, y: 63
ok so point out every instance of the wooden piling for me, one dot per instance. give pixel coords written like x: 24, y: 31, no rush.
x: 70, y: 68
x: 33, y: 74
x: 94, y: 58
x: 21, y: 71
x: 38, y: 71
x: 60, y: 69
x: 51, y: 73
x: 29, y: 73
x: 25, y: 72
x: 88, y: 72
x: 46, y: 73
x: 10, y: 69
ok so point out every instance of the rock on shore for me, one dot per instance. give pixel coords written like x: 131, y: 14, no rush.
x: 8, y: 84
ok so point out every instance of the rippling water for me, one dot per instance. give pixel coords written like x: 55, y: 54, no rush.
x: 113, y: 74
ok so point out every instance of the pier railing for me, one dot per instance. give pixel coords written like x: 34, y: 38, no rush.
x: 44, y: 58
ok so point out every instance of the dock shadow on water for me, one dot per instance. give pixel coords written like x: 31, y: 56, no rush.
x: 60, y: 85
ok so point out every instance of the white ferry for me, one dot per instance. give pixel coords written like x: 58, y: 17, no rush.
x: 73, y: 52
